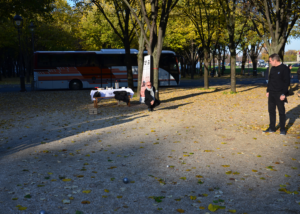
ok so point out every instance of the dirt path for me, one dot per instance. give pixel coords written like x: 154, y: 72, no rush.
x: 200, y: 151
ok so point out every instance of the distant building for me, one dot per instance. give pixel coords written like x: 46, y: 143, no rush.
x: 298, y: 56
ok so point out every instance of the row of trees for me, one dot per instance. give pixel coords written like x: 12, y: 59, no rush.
x: 196, y: 29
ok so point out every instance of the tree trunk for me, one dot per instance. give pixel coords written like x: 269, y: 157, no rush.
x: 192, y: 59
x: 206, y: 64
x: 223, y: 61
x: 128, y: 65
x: 201, y: 66
x: 140, y: 64
x: 244, y: 59
x: 156, y: 74
x: 232, y: 69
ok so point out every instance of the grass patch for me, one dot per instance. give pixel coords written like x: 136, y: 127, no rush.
x: 206, y: 89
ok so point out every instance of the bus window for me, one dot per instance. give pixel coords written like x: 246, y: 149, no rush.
x: 94, y: 60
x: 63, y: 60
x: 43, y: 60
x: 82, y: 60
x: 110, y: 60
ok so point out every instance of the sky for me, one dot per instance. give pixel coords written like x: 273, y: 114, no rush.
x: 293, y: 45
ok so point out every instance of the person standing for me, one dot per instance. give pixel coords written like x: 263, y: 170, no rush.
x: 279, y: 79
x: 150, y: 100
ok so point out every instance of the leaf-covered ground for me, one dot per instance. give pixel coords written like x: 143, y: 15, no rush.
x: 200, y: 151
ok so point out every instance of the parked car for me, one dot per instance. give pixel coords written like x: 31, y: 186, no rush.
x: 296, y: 65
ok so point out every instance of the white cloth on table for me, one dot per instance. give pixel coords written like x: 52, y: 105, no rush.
x: 110, y: 92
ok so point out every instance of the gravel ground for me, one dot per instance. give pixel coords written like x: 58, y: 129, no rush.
x: 200, y: 151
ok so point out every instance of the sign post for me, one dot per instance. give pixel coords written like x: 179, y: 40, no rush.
x: 146, y: 77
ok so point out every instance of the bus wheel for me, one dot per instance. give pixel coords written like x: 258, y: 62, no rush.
x: 75, y: 85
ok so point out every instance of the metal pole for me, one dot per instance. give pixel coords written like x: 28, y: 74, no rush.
x: 22, y: 78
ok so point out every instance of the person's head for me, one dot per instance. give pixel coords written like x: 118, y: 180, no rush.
x: 148, y: 84
x: 274, y: 59
x: 290, y: 66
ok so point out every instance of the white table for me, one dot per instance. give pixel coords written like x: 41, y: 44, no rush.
x: 110, y: 92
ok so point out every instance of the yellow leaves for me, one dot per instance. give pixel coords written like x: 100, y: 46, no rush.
x: 183, y: 178
x: 193, y: 197
x: 53, y: 180
x: 85, y: 202
x: 50, y: 173
x: 186, y: 155
x: 170, y: 156
x: 88, y: 155
x: 202, y: 208
x: 21, y: 208
x: 228, y: 172
x: 205, y: 195
x: 80, y: 176
x: 226, y: 165
x: 287, y: 176
x: 104, y: 196
x: 112, y: 167
x: 232, y: 211
x: 199, y: 176
x: 180, y: 210
x: 208, y: 150
x: 188, y: 170
x: 253, y: 170
x: 119, y: 196
x: 87, y: 191
x: 94, y: 171
x: 66, y: 179
x: 65, y: 201
x: 152, y: 130
x: 99, y: 141
x: 214, y: 208
x: 293, y: 158
x: 156, y: 143
x: 142, y: 142
x: 106, y: 190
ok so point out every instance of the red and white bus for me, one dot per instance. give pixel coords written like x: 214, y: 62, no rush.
x: 88, y: 69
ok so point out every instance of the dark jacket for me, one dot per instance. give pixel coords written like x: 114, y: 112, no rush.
x: 122, y: 96
x: 148, y: 97
x: 279, y: 80
x: 298, y: 73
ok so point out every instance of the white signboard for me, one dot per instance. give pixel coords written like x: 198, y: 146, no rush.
x: 146, y: 76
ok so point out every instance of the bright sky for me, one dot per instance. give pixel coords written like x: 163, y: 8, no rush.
x: 293, y: 45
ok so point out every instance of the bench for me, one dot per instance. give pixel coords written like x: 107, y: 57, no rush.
x: 96, y: 101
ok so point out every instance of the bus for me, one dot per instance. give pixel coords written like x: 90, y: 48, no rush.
x: 88, y: 69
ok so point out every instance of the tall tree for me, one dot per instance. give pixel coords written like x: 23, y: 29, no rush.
x: 278, y: 19
x: 123, y: 30
x: 232, y: 11
x: 156, y: 24
x: 203, y: 15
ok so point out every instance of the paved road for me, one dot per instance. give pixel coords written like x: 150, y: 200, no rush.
x: 183, y: 83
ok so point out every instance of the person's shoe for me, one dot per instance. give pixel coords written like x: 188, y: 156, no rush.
x: 149, y: 109
x: 282, y: 132
x: 269, y: 131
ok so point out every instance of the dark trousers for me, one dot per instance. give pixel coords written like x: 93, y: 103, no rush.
x: 156, y: 103
x: 274, y: 100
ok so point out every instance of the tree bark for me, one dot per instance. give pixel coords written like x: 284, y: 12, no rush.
x: 128, y: 65
x: 232, y: 70
x: 206, y: 64
x: 244, y: 59
x: 140, y: 64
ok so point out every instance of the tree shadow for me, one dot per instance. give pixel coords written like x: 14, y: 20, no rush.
x: 68, y: 130
x: 291, y: 116
x: 173, y: 107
